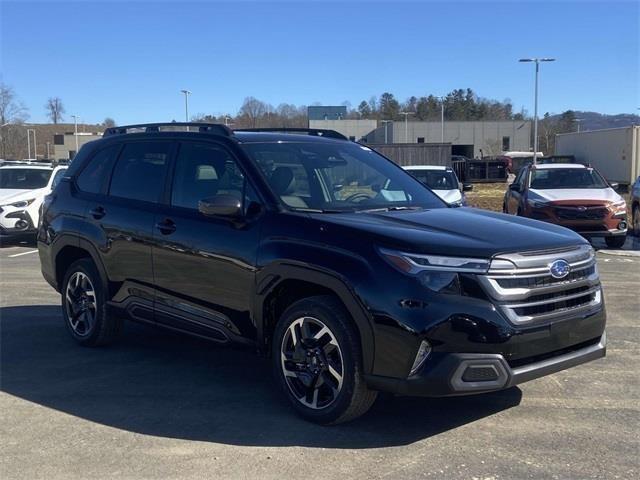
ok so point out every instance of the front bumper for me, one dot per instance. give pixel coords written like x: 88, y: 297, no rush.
x: 15, y: 222
x: 463, y: 373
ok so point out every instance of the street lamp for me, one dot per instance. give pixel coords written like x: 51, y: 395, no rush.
x: 386, y: 124
x: 535, y: 108
x: 578, y: 121
x: 441, y: 118
x: 406, y: 128
x: 186, y: 104
x: 75, y: 131
x: 35, y: 145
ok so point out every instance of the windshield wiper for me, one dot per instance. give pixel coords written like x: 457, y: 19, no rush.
x: 319, y: 210
x: 387, y: 209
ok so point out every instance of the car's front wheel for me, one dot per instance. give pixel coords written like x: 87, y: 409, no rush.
x: 636, y: 220
x: 84, y: 306
x: 615, y: 242
x: 317, y: 362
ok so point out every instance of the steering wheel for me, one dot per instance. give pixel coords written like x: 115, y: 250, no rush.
x: 357, y: 197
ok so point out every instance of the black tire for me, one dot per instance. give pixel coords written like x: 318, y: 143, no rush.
x: 353, y: 398
x: 615, y: 242
x: 504, y: 208
x: 635, y: 220
x: 103, y: 328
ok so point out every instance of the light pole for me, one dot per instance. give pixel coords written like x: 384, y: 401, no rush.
x: 578, y: 121
x: 186, y: 104
x: 75, y: 131
x: 441, y: 119
x: 28, y: 144
x: 386, y: 124
x: 535, y: 107
x: 48, y: 143
x: 35, y: 145
x: 406, y: 128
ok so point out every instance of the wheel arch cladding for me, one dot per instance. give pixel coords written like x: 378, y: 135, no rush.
x: 284, y: 284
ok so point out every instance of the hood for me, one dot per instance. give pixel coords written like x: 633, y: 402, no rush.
x: 575, y: 195
x: 453, y: 231
x: 449, y: 196
x: 9, y: 195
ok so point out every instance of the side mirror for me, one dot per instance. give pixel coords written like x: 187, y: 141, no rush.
x: 221, y: 206
x: 467, y: 187
x: 615, y: 186
x: 514, y: 187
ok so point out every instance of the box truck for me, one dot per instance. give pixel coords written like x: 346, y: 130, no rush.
x: 615, y: 152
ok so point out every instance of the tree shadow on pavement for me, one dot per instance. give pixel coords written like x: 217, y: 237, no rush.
x: 159, y: 383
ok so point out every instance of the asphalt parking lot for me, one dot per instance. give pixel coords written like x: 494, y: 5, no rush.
x: 158, y: 405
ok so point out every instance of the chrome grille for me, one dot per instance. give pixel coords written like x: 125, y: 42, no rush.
x: 522, y: 286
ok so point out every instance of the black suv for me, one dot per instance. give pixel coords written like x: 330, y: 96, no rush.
x: 348, y: 273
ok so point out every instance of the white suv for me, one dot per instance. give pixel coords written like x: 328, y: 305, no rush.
x: 22, y: 191
x: 443, y: 181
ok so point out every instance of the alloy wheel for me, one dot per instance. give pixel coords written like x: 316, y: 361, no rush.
x: 312, y: 363
x: 80, y: 303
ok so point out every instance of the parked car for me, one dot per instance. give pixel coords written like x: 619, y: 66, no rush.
x: 635, y: 207
x: 322, y: 255
x: 572, y: 195
x: 22, y: 191
x: 443, y: 181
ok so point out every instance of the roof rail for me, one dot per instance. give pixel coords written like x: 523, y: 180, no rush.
x: 317, y: 132
x: 215, y: 128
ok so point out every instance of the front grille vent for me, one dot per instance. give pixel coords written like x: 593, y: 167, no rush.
x: 529, y: 294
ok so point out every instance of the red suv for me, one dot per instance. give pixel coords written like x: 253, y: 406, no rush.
x: 572, y: 195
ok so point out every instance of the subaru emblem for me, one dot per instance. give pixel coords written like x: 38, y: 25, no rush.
x: 559, y: 269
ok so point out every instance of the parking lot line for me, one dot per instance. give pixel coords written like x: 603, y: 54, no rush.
x: 23, y: 253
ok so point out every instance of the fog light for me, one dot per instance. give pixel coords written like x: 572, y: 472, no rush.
x: 622, y: 226
x: 21, y: 224
x: 421, y: 356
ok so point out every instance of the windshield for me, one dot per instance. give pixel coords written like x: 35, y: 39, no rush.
x: 556, y: 178
x: 436, y: 179
x: 24, y: 178
x: 340, y: 176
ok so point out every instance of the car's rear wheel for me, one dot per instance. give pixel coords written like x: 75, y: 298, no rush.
x: 84, y: 307
x: 615, y: 242
x: 317, y: 362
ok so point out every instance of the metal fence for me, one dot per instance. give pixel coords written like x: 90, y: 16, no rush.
x: 416, y: 153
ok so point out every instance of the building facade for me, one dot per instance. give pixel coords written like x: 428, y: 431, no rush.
x: 64, y: 144
x: 471, y: 139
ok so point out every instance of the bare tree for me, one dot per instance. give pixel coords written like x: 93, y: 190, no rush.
x: 55, y: 109
x: 108, y: 122
x: 253, y: 109
x: 12, y: 111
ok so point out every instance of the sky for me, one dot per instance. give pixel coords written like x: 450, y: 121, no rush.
x: 129, y: 60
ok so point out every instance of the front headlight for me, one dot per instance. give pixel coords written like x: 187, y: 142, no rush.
x: 413, y: 263
x: 21, y: 203
x: 457, y: 203
x: 537, y: 204
x: 620, y: 204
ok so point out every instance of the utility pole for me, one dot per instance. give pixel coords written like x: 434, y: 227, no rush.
x: 406, y: 127
x: 535, y: 107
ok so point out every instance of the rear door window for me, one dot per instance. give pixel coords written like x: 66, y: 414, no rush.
x: 203, y: 171
x: 140, y: 171
x: 93, y: 177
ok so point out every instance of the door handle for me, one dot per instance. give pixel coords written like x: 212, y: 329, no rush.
x: 98, y: 213
x: 166, y: 227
